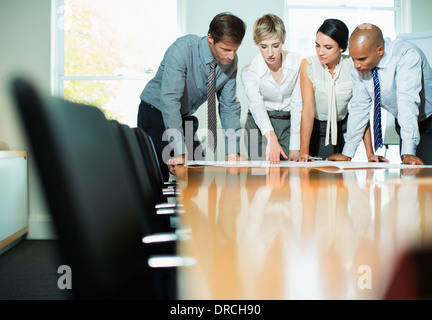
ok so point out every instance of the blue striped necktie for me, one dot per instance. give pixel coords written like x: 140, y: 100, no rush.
x: 211, y: 106
x: 378, y: 140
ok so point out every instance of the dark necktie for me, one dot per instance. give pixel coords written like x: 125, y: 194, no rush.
x: 378, y: 140
x: 211, y: 106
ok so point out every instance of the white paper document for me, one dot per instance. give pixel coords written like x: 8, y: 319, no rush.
x: 315, y: 164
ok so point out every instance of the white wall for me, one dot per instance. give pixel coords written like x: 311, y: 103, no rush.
x: 24, y: 50
x: 421, y: 15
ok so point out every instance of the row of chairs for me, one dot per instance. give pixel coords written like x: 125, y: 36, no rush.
x: 107, y: 198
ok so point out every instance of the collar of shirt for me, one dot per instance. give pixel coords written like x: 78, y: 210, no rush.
x: 206, y: 55
x: 263, y: 69
x: 382, y: 64
x: 335, y: 71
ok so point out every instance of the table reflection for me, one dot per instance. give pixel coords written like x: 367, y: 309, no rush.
x: 299, y: 233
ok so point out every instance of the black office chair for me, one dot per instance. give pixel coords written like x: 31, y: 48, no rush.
x: 149, y: 195
x: 164, y: 189
x: 92, y: 199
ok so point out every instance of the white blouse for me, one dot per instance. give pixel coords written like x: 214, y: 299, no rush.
x: 332, y: 95
x: 264, y: 94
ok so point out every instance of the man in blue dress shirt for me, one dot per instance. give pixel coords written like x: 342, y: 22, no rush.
x: 179, y: 88
x: 405, y: 78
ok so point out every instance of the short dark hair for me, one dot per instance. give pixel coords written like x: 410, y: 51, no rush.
x: 337, y: 30
x: 229, y: 25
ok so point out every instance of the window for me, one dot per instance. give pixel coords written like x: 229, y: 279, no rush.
x: 304, y: 17
x: 107, y: 50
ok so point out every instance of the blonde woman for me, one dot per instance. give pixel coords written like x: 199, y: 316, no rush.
x: 272, y: 85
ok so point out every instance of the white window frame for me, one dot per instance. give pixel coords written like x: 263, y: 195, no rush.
x: 57, y: 52
x: 401, y: 10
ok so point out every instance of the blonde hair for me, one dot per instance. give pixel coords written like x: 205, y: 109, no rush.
x: 268, y: 26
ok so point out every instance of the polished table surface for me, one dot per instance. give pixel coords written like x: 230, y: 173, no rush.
x: 299, y: 233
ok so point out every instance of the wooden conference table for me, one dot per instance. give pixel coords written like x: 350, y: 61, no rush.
x: 299, y: 232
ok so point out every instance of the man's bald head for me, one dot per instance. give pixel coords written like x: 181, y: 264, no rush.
x: 367, y: 34
x: 366, y: 46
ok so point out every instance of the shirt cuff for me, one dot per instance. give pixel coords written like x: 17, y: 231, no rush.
x: 349, y: 150
x: 232, y: 141
x: 409, y: 147
x: 294, y: 142
x: 265, y: 126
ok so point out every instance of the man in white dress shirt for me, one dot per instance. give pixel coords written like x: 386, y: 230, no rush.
x: 405, y: 78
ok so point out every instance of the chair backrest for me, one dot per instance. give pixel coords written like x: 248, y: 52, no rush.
x: 147, y: 193
x: 151, y: 162
x: 89, y: 194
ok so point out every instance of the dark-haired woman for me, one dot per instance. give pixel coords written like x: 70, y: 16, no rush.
x: 326, y: 87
